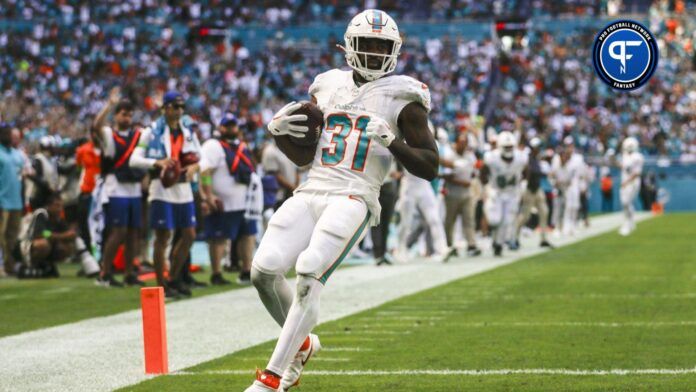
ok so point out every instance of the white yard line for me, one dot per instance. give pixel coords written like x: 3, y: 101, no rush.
x: 345, y: 349
x: 105, y: 353
x: 465, y: 372
x: 600, y: 324
x: 263, y: 360
x: 365, y: 332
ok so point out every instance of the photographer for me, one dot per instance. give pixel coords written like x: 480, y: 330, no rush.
x: 49, y: 239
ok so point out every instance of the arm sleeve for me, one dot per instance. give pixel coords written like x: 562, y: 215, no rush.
x: 138, y: 158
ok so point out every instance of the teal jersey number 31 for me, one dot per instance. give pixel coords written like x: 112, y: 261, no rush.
x: 341, y: 125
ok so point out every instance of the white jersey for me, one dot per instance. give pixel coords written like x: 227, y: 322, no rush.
x: 346, y: 162
x: 631, y: 164
x: 505, y: 176
x: 568, y: 176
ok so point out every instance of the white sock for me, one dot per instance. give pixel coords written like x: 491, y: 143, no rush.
x: 275, y: 293
x: 303, y: 316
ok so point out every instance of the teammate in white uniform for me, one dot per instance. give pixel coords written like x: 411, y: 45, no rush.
x: 631, y: 169
x: 416, y: 196
x: 502, y: 171
x: 369, y: 117
x: 567, y: 171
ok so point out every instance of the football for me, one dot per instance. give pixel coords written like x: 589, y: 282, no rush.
x: 170, y: 175
x: 315, y: 123
x: 188, y: 159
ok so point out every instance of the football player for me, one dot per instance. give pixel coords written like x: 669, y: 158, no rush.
x: 567, y: 171
x: 533, y: 197
x: 370, y: 117
x: 631, y: 169
x: 502, y: 172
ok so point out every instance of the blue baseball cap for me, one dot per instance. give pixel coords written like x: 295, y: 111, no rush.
x: 228, y: 119
x: 172, y: 97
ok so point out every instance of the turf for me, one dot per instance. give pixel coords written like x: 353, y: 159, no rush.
x: 27, y: 305
x: 604, y: 303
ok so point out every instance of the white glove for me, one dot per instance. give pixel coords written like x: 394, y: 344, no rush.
x: 379, y: 131
x: 281, y: 122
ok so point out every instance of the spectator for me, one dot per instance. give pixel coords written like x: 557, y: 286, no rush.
x: 11, y: 206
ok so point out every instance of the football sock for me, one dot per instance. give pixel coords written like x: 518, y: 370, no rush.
x: 303, y: 316
x: 275, y: 293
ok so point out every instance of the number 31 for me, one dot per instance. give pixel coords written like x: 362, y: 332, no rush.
x: 332, y: 156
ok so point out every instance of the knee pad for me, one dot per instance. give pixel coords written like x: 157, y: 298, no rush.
x: 268, y: 260
x: 309, y: 263
x: 261, y: 279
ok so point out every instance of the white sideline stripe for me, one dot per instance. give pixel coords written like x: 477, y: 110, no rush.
x: 106, y: 353
x: 463, y: 372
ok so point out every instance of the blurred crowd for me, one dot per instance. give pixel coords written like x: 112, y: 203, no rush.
x: 55, y: 76
x: 282, y: 12
x: 549, y: 88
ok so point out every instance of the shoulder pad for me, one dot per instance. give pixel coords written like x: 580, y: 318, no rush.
x: 411, y: 89
x: 323, y: 79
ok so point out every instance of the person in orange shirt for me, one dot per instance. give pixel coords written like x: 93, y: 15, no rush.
x: 88, y: 157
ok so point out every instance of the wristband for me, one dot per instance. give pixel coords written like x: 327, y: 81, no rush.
x: 46, y: 234
x: 206, y: 180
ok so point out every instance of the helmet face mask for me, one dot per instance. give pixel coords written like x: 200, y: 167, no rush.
x: 508, y: 152
x: 506, y: 143
x: 630, y: 145
x: 365, y: 52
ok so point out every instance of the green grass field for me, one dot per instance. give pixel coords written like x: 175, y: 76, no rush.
x: 32, y: 304
x: 601, y: 304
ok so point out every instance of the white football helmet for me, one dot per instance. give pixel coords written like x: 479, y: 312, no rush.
x: 506, y: 144
x: 371, y: 24
x: 629, y: 145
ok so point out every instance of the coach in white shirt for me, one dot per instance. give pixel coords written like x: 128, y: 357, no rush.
x: 165, y: 142
x: 226, y: 168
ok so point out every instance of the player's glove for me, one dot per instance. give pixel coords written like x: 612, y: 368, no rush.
x: 281, y: 124
x: 379, y: 131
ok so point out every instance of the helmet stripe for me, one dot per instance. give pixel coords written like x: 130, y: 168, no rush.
x: 376, y: 21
